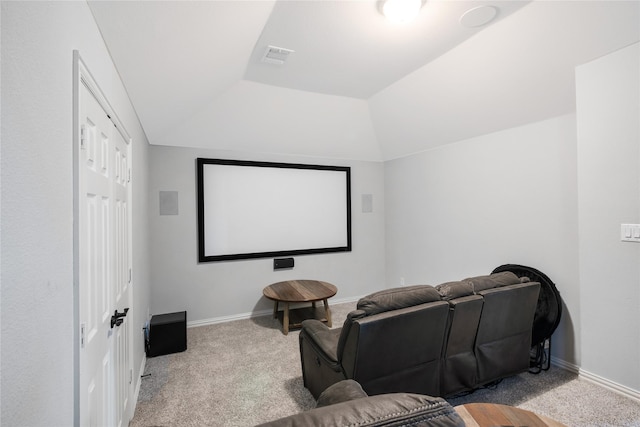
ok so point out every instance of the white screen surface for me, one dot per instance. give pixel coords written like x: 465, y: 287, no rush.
x: 259, y: 209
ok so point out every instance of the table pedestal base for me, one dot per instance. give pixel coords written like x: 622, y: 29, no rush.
x: 292, y: 318
x: 296, y: 292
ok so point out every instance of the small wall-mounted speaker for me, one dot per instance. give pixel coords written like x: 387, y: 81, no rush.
x: 168, y: 203
x: 367, y: 203
x: 280, y: 263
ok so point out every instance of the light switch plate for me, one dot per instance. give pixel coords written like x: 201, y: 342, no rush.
x: 630, y: 232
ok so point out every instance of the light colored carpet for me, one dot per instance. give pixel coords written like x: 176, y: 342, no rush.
x: 246, y: 372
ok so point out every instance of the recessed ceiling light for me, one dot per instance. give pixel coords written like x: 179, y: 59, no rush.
x: 401, y: 10
x: 478, y: 16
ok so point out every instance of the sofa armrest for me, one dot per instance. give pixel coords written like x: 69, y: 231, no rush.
x: 343, y: 391
x: 324, y: 339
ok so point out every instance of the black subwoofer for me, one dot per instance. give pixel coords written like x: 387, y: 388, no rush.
x: 167, y: 334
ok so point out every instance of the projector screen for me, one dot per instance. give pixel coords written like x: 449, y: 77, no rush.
x: 260, y: 209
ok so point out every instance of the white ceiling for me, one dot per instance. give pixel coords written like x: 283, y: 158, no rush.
x: 349, y: 48
x: 356, y: 86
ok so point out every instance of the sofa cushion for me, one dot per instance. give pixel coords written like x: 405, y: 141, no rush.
x: 497, y: 280
x: 395, y: 298
x: 396, y: 409
x: 452, y: 290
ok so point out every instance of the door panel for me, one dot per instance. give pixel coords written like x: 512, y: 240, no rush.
x: 104, y: 270
x: 122, y: 276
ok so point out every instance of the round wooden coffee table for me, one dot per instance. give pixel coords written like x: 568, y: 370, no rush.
x: 492, y: 414
x: 300, y: 291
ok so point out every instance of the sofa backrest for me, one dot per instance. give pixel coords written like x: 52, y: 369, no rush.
x: 391, y: 344
x: 385, y: 301
x: 467, y: 304
x: 503, y: 339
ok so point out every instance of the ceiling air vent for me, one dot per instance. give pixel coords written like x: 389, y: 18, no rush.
x: 276, y: 55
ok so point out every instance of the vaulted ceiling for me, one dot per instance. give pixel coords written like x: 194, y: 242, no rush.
x: 356, y: 86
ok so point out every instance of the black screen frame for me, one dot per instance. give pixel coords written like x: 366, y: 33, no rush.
x: 202, y: 219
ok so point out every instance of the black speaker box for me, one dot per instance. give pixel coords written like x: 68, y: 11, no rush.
x: 167, y: 334
x: 280, y: 263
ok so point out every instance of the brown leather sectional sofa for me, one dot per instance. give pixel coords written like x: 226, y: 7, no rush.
x: 436, y: 341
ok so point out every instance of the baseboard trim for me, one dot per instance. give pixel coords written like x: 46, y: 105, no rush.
x: 610, y: 385
x: 224, y: 319
x: 253, y: 314
x: 565, y: 365
x: 597, y: 380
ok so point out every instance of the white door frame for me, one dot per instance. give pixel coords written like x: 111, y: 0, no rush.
x: 82, y: 76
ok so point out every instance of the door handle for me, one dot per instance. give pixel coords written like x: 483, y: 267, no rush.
x: 117, y: 318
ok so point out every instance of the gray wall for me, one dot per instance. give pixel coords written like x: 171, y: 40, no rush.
x: 37, y: 283
x: 217, y: 291
x: 504, y: 198
x: 550, y: 195
x: 608, y: 111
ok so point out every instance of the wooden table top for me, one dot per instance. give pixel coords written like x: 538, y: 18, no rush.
x: 300, y: 291
x: 491, y: 415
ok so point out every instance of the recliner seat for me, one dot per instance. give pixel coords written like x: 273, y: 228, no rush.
x: 392, y: 342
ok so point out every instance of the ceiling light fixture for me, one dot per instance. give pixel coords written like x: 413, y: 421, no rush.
x: 401, y: 10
